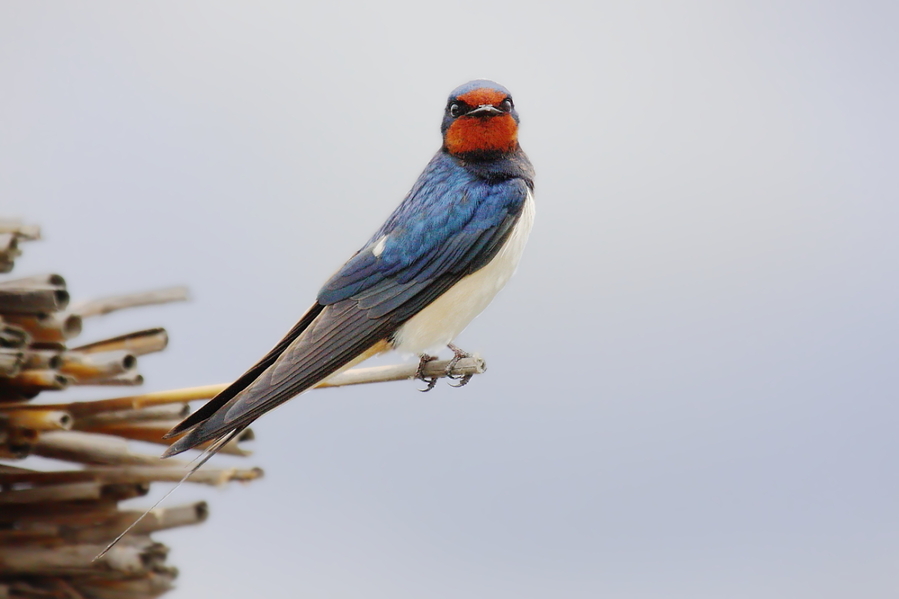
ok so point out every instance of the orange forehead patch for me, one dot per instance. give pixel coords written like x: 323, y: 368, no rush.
x: 474, y: 134
x: 481, y: 96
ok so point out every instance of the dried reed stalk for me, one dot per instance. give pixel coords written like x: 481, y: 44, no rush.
x: 92, y: 367
x: 85, y: 448
x: 120, y: 302
x: 128, y: 474
x: 139, y: 343
x: 12, y: 336
x: 42, y: 359
x: 47, y: 328
x: 11, y: 361
x: 34, y: 299
x: 19, y: 229
x: 128, y: 379
x: 39, y: 420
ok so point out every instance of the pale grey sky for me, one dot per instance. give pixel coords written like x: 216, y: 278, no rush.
x: 692, y: 384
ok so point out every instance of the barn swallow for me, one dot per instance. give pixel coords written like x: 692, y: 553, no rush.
x: 440, y: 258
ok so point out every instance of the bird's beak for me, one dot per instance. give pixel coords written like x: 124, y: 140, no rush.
x: 485, y: 110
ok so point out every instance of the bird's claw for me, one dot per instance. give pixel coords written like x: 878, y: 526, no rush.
x: 420, y: 373
x: 458, y: 354
x: 463, y: 380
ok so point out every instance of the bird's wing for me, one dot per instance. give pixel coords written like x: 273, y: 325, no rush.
x: 423, y: 252
x: 210, y: 407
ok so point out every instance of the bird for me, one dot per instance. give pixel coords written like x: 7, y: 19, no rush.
x: 433, y: 266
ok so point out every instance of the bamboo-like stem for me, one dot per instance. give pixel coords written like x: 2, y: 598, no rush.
x: 49, y: 280
x: 139, y: 343
x: 29, y: 381
x: 92, y: 367
x: 64, y: 492
x: 157, y: 519
x: 39, y: 420
x: 129, y: 474
x: 52, y: 328
x: 403, y: 372
x: 132, y: 300
x: 152, y: 432
x: 131, y: 402
x: 12, y: 336
x: 136, y: 556
x: 34, y: 299
x: 127, y: 379
x: 164, y: 412
x: 19, y: 229
x: 86, y: 448
x: 42, y: 359
x: 11, y: 361
x: 356, y: 376
x: 65, y: 513
x: 9, y: 251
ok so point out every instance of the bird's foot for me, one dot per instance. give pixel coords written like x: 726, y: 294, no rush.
x: 458, y: 354
x: 420, y: 373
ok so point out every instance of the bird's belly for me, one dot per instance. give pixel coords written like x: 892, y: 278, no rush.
x: 444, y: 318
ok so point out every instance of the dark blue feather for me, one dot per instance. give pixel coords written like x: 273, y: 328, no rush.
x: 449, y: 222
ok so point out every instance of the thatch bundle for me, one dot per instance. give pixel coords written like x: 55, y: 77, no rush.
x: 53, y: 523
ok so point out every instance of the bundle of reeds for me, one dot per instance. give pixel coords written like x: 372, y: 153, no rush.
x: 53, y: 523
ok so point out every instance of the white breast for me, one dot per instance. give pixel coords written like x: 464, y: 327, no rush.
x: 446, y: 317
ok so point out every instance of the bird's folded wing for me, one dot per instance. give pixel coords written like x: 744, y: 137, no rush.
x: 362, y: 305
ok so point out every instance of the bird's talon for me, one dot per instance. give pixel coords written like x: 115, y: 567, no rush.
x: 458, y: 354
x: 463, y: 380
x: 420, y: 373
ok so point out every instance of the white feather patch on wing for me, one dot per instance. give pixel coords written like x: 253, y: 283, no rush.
x: 444, y: 318
x: 378, y: 249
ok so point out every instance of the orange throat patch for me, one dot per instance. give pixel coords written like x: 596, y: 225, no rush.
x: 482, y: 134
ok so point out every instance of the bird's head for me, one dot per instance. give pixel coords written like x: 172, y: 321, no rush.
x: 480, y: 122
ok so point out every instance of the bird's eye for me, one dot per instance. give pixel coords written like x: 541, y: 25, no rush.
x: 455, y: 109
x: 506, y: 105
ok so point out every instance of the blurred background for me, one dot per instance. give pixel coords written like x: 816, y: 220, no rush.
x: 692, y: 384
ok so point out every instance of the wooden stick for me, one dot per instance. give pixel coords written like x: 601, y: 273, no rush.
x: 132, y: 300
x: 139, y: 343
